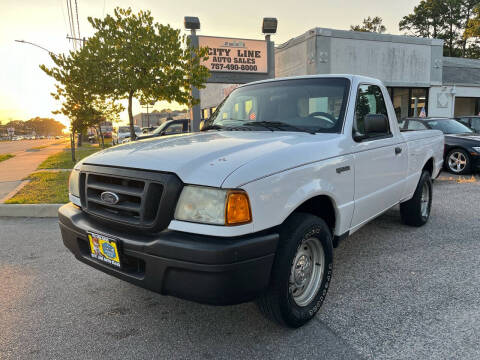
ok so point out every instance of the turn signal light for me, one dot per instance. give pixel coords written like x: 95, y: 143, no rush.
x: 237, y: 211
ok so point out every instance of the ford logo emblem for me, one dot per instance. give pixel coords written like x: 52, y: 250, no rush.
x: 109, y: 197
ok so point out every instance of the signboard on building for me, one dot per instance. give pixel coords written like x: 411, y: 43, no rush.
x: 235, y: 55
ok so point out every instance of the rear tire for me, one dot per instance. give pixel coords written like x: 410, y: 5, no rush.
x: 301, y: 272
x: 416, y: 211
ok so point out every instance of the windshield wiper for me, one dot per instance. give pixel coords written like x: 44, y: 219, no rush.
x: 277, y: 125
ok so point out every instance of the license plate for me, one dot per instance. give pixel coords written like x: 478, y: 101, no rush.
x: 104, y: 249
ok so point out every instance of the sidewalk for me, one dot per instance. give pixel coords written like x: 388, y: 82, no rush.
x: 14, y: 170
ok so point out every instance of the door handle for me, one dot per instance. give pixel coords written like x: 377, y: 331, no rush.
x: 398, y: 150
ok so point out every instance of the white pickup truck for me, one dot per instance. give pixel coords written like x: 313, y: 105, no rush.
x: 252, y: 206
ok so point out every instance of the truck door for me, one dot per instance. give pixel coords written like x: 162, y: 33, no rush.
x: 380, y: 161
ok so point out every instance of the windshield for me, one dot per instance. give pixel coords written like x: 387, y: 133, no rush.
x: 315, y: 104
x: 449, y: 126
x: 160, y: 128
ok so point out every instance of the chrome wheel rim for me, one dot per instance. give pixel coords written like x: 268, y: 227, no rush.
x: 457, y: 161
x: 425, y: 200
x: 307, y: 271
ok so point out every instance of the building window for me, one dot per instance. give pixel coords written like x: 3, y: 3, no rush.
x: 409, y: 102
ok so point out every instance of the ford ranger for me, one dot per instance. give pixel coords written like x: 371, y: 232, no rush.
x: 251, y: 207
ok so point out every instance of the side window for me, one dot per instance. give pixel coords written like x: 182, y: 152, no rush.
x: 174, y: 129
x: 476, y: 124
x: 416, y: 125
x: 369, y: 101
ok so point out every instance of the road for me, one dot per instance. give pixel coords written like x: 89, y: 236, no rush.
x: 15, y: 147
x: 26, y: 161
x: 397, y: 293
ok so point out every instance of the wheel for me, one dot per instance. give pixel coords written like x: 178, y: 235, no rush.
x: 458, y: 161
x: 416, y: 211
x: 301, y: 271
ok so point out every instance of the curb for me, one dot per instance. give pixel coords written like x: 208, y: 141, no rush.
x: 30, y: 210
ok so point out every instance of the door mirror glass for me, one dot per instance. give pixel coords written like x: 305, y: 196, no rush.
x: 376, y: 125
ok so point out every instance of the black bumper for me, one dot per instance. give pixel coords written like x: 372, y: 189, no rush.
x: 475, y: 162
x: 205, y: 269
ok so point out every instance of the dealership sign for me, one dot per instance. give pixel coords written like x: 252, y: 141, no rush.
x: 235, y: 55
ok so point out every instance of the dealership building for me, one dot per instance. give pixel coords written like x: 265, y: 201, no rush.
x: 414, y: 70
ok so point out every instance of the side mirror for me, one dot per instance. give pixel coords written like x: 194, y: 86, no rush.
x: 375, y: 125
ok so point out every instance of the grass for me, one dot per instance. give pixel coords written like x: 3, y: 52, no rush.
x: 63, y: 160
x: 4, y: 157
x: 45, y: 187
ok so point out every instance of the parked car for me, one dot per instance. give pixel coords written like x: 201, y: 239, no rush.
x: 147, y: 130
x: 252, y: 206
x: 121, y: 134
x: 462, y: 145
x: 169, y: 127
x: 472, y: 122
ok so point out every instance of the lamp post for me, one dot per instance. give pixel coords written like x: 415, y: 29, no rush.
x: 41, y: 47
x: 192, y: 23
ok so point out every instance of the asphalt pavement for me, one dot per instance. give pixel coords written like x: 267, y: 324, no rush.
x: 397, y: 293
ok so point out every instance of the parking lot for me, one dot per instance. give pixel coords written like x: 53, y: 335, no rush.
x: 397, y: 293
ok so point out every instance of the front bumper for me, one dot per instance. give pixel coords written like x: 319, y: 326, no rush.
x: 205, y: 269
x: 475, y: 161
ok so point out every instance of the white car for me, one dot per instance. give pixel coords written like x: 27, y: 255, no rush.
x: 252, y: 207
x: 121, y: 134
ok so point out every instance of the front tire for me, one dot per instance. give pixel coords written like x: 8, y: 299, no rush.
x: 458, y: 162
x: 416, y: 211
x: 301, y: 272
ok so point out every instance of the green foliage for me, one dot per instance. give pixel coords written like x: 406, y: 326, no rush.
x: 449, y: 20
x: 46, y: 187
x: 131, y: 56
x: 41, y: 126
x: 4, y: 157
x: 374, y: 24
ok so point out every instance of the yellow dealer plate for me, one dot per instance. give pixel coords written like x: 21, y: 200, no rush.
x: 104, y: 249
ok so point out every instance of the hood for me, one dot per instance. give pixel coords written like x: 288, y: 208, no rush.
x: 473, y: 136
x: 206, y: 158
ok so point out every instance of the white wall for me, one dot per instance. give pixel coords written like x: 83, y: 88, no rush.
x: 393, y: 63
x: 442, y: 98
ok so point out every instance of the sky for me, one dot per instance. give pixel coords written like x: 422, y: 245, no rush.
x: 25, y: 89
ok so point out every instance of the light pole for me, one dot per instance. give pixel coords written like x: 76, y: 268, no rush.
x: 41, y: 47
x: 192, y: 23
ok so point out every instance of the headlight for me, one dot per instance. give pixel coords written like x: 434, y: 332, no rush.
x: 213, y: 206
x: 74, y: 183
x: 476, y: 148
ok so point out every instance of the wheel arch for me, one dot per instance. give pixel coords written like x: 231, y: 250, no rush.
x: 323, y: 206
x: 429, y: 166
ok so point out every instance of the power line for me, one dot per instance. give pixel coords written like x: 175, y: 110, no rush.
x: 63, y: 15
x: 78, y: 22
x: 72, y: 22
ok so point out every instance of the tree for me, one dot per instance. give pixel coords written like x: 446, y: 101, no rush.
x: 83, y: 108
x: 443, y: 19
x: 131, y: 56
x: 370, y: 25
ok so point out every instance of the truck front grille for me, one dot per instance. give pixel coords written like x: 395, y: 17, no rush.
x: 142, y: 199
